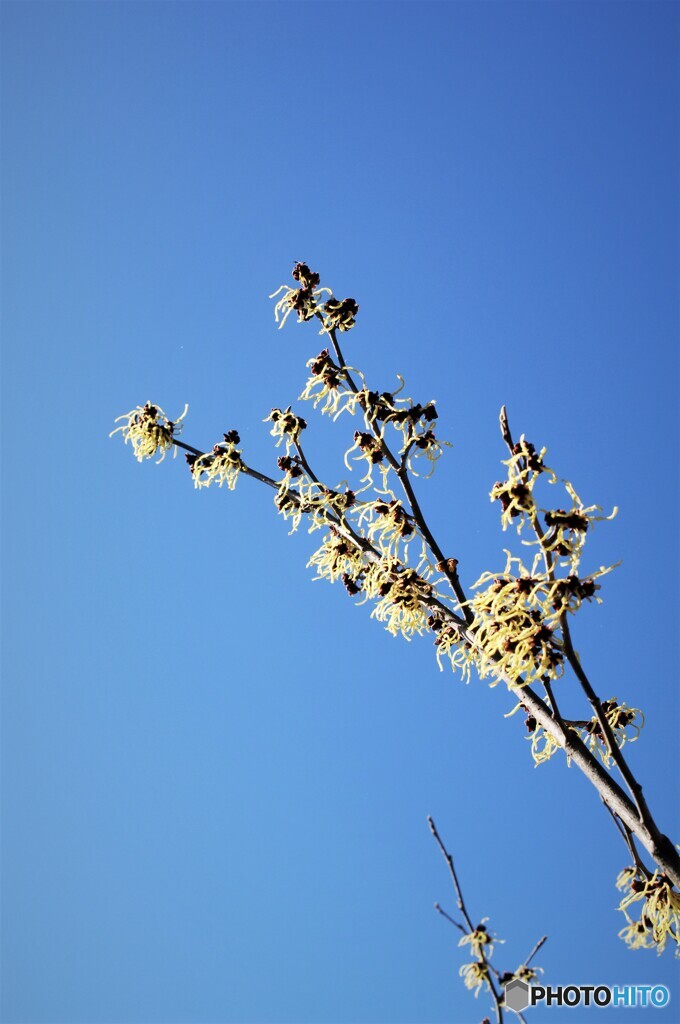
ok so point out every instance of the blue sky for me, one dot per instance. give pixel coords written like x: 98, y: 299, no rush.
x: 216, y: 773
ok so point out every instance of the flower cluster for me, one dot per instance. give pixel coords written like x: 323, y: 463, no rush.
x: 392, y: 527
x: 449, y: 643
x: 515, y: 494
x: 475, y: 976
x: 519, y: 613
x: 377, y: 407
x: 309, y: 498
x: 537, y: 591
x: 522, y: 973
x: 543, y: 743
x: 480, y: 941
x: 305, y: 500
x: 412, y: 420
x: 306, y: 301
x: 222, y: 465
x: 149, y: 430
x: 562, y: 533
x: 621, y: 718
x: 426, y: 444
x: 369, y: 450
x: 292, y: 470
x: 287, y: 426
x: 514, y: 639
x: 339, y: 314
x: 659, y: 918
x: 338, y: 558
x: 567, y: 528
x: 303, y: 300
x: 328, y: 384
x: 401, y: 596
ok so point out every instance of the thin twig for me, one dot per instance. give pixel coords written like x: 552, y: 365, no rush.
x: 187, y: 447
x: 629, y: 840
x: 449, y: 860
x: 607, y: 731
x: 535, y: 950
x: 497, y: 996
x: 547, y: 686
x: 448, y: 917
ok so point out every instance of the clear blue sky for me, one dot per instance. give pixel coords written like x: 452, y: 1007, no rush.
x: 216, y: 773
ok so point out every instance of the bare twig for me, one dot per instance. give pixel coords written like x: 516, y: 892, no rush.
x: 449, y: 860
x: 497, y: 996
x: 614, y: 749
x: 456, y: 924
x: 629, y: 840
x: 535, y: 950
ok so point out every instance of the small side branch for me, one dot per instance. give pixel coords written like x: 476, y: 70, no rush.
x: 629, y: 840
x: 460, y: 902
x: 614, y: 749
x: 535, y: 950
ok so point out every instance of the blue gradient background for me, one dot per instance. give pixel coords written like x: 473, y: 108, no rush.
x: 216, y: 773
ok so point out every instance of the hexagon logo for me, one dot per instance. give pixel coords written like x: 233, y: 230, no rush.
x: 517, y: 995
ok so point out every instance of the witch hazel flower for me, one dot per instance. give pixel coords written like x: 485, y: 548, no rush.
x: 149, y: 430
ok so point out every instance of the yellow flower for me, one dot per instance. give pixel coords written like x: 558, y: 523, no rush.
x: 637, y: 935
x: 369, y: 449
x: 339, y: 314
x: 377, y: 407
x: 567, y: 528
x: 222, y: 465
x: 287, y: 426
x: 543, y: 746
x: 400, y: 594
x: 308, y: 499
x: 660, y: 913
x: 449, y: 644
x: 391, y: 527
x: 527, y: 974
x: 303, y: 301
x: 480, y: 941
x: 514, y: 639
x: 149, y: 430
x: 475, y: 975
x: 621, y: 718
x: 431, y: 447
x: 625, y: 877
x: 328, y: 384
x: 337, y: 558
x: 516, y: 494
